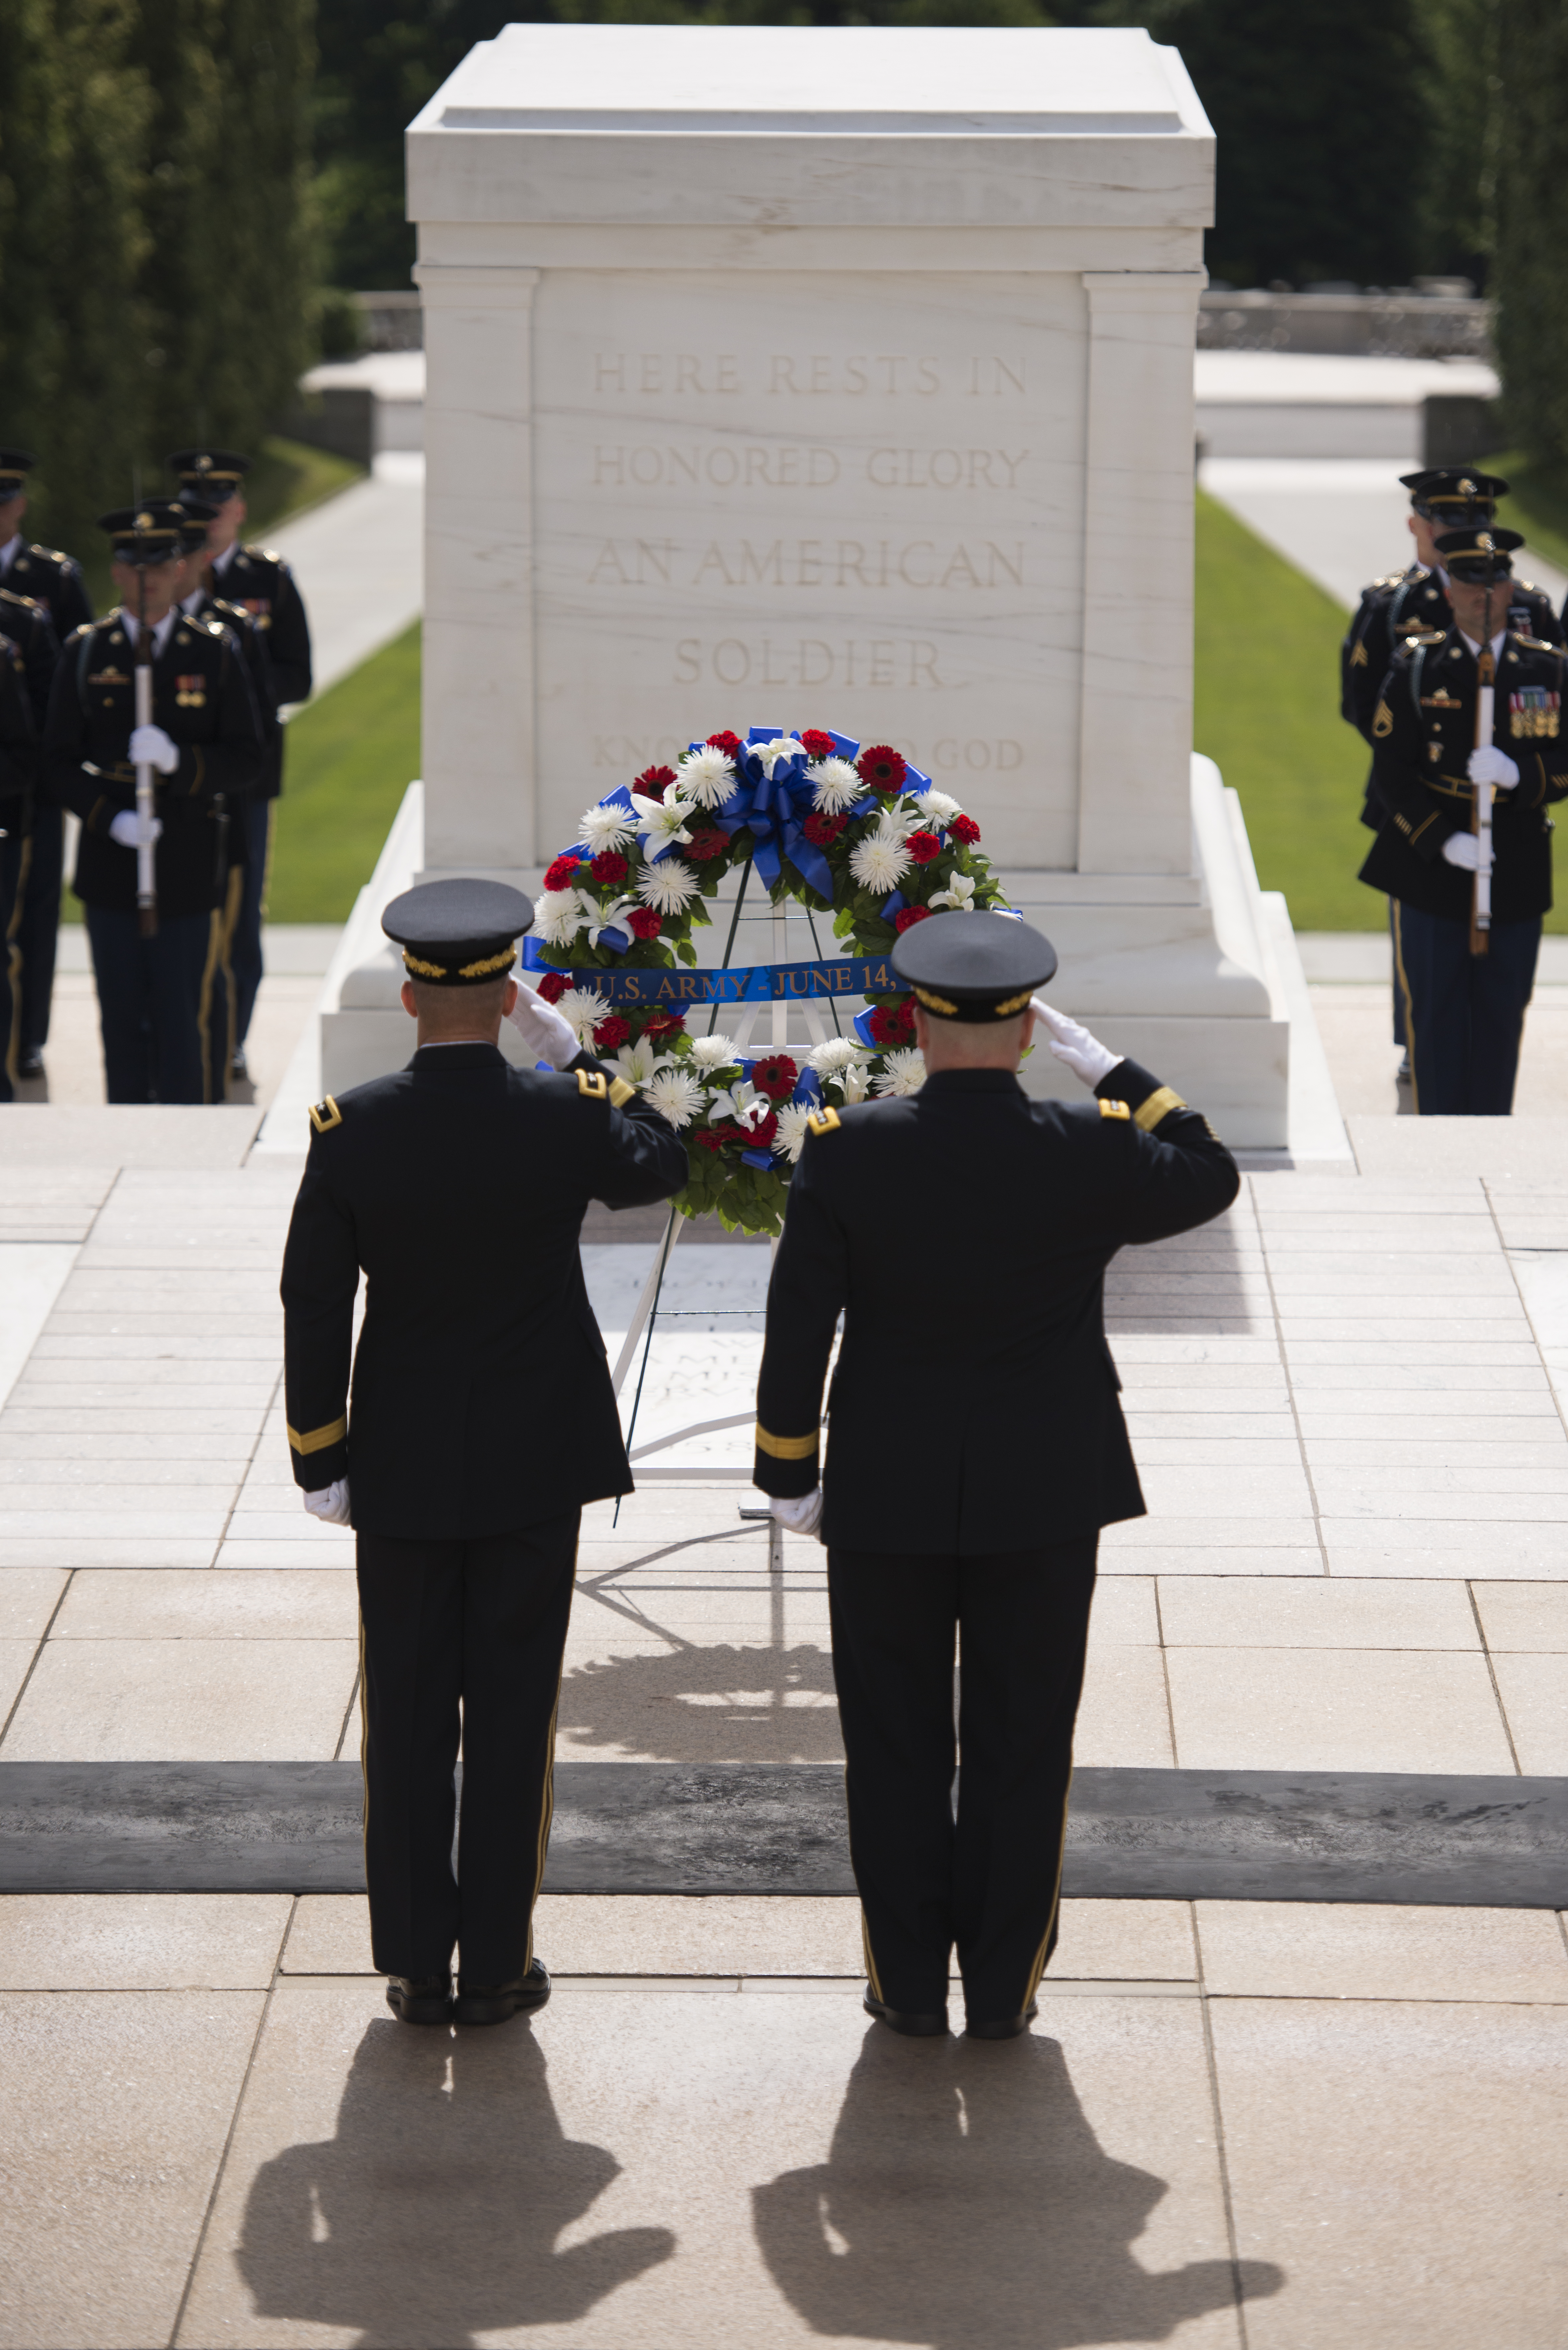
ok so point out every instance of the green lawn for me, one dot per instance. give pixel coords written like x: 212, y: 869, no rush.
x: 348, y: 759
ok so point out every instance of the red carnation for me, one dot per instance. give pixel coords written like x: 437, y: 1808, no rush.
x: 892, y: 1024
x: 703, y: 847
x: 823, y: 830
x: 610, y: 865
x: 664, y: 1023
x: 561, y: 873
x: 711, y: 1137
x: 644, y: 924
x: 815, y: 743
x: 612, y: 1031
x: 654, y: 781
x: 554, y: 985
x: 763, y: 1137
x: 728, y: 743
x: 923, y: 845
x: 907, y: 916
x: 964, y: 828
x: 775, y: 1075
x: 882, y: 767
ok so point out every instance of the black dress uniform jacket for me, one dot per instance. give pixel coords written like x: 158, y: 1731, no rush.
x: 965, y: 1231
x: 28, y: 625
x: 201, y: 698
x: 1423, y: 731
x: 261, y: 584
x: 56, y: 581
x: 1407, y: 601
x: 482, y: 1398
x: 18, y: 739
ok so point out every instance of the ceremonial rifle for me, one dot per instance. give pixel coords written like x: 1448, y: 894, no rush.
x: 1486, y: 675
x: 146, y: 803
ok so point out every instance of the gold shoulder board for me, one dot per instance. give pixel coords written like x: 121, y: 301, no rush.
x: 1114, y: 1109
x: 823, y: 1121
x: 592, y: 1085
x: 325, y: 1115
x: 1538, y: 645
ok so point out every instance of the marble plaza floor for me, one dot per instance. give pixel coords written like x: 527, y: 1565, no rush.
x: 1282, y: 2125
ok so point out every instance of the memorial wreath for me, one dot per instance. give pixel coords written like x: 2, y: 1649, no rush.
x: 860, y: 834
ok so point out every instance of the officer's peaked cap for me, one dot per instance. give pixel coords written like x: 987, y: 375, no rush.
x: 975, y: 967
x: 15, y: 464
x: 458, y: 933
x: 150, y: 533
x: 194, y: 514
x: 1453, y: 490
x: 211, y: 473
x: 1480, y: 554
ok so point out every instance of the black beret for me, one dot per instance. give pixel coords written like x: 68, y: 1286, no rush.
x: 975, y: 967
x: 458, y: 933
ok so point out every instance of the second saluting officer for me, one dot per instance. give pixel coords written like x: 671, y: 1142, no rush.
x: 458, y: 1189
x: 986, y: 1533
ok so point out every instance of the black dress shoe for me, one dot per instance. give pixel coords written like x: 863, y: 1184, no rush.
x: 913, y: 2027
x: 1007, y: 2027
x: 498, y: 2003
x: 30, y: 1064
x: 424, y: 2000
x: 237, y: 1067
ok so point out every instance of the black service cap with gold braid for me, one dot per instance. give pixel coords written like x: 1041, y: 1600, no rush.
x: 1453, y: 492
x: 1479, y: 556
x: 459, y: 933
x: 15, y: 464
x: 213, y: 474
x: 975, y: 967
x: 154, y: 531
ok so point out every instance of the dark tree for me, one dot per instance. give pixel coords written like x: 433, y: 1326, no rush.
x: 1533, y: 206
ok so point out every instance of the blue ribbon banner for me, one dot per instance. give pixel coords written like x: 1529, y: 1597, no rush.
x: 759, y: 982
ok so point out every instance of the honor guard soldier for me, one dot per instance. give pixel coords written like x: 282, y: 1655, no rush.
x: 205, y: 745
x: 1466, y: 985
x: 20, y: 739
x: 44, y: 577
x: 993, y: 1531
x: 263, y: 584
x: 458, y: 1188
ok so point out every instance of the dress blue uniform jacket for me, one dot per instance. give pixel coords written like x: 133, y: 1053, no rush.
x: 964, y: 1231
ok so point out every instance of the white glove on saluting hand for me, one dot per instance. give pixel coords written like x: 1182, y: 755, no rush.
x: 802, y: 1516
x: 150, y: 747
x: 1463, y: 849
x: 1085, y: 1055
x: 126, y: 831
x: 546, y: 1035
x: 1491, y: 765
x: 331, y: 1505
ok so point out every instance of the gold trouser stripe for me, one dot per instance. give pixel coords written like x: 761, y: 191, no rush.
x: 872, y: 1977
x: 316, y: 1439
x: 1043, y: 1954
x: 14, y: 955
x: 227, y: 965
x: 266, y: 861
x: 1409, y: 1008
x: 1160, y: 1104
x: 787, y: 1448
x: 364, y: 1758
x: 205, y: 1002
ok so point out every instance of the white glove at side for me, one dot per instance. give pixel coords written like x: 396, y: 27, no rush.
x: 331, y: 1505
x: 150, y: 747
x: 1489, y: 765
x: 548, y: 1036
x: 126, y: 829
x: 1463, y: 849
x: 1084, y: 1054
x: 802, y: 1516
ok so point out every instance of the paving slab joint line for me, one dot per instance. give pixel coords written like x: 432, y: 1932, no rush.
x: 1220, y: 2154
x: 71, y: 1574
x: 1301, y: 1448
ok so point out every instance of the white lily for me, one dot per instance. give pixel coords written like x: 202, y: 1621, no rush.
x: 851, y: 1082
x: 661, y: 823
x: 782, y: 746
x: 744, y: 1104
x: 957, y: 897
x: 639, y: 1064
x: 608, y: 918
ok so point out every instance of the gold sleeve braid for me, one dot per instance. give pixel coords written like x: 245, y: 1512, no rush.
x: 316, y: 1439
x: 787, y: 1448
x: 1160, y: 1105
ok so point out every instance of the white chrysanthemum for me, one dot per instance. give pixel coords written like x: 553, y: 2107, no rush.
x: 606, y: 827
x: 937, y: 809
x: 675, y: 1094
x: 782, y: 746
x: 838, y: 1052
x: 669, y: 887
x: 708, y: 776
x: 881, y: 860
x: 957, y: 897
x: 902, y: 1073
x: 713, y: 1052
x: 792, y: 1130
x: 837, y: 787
x: 559, y: 915
x: 851, y: 1083
x: 582, y: 1009
x: 661, y: 823
x: 639, y: 1064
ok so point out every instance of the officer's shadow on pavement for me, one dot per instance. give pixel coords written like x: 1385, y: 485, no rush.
x: 697, y: 1703
x: 433, y: 2216
x: 966, y: 2204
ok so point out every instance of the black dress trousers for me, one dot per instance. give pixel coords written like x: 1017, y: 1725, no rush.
x: 989, y: 1882
x: 461, y: 1637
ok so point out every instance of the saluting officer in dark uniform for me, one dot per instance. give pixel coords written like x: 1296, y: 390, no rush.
x: 1465, y: 1005
x: 263, y: 584
x: 458, y: 1188
x: 154, y: 994
x: 988, y: 1528
x: 44, y: 577
x: 19, y: 735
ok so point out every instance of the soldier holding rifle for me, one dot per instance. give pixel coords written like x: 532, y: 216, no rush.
x: 147, y: 783
x: 1468, y: 756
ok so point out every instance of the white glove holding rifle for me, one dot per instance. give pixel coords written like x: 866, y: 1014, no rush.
x: 127, y: 830
x: 1487, y: 764
x: 1463, y: 849
x: 1083, y: 1053
x: 331, y: 1503
x: 151, y: 747
x: 543, y: 1030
